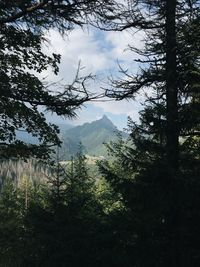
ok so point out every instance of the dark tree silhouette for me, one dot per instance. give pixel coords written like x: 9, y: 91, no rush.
x: 156, y: 171
x: 22, y: 93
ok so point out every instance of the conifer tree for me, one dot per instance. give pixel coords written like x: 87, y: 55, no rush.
x: 156, y: 171
x: 11, y: 225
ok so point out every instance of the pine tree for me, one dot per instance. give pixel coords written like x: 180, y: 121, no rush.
x: 62, y: 227
x: 156, y: 171
x: 11, y: 225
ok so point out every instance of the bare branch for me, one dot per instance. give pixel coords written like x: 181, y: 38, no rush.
x: 26, y: 11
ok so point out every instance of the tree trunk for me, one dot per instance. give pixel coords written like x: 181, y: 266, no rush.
x: 172, y: 145
x: 171, y: 88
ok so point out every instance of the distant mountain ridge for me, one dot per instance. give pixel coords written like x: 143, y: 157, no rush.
x: 92, y: 136
x: 28, y: 138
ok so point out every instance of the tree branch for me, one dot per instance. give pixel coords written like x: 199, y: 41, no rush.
x: 28, y: 10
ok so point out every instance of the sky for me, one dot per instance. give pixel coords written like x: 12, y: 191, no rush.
x: 99, y: 54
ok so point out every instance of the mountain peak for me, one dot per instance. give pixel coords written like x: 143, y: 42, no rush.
x: 105, y: 122
x: 92, y: 136
x: 105, y: 118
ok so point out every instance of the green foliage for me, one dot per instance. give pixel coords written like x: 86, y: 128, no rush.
x: 156, y: 185
x: 11, y: 226
x: 63, y: 231
x: 23, y: 26
x: 75, y: 219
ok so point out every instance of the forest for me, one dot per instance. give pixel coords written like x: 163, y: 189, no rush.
x: 141, y: 206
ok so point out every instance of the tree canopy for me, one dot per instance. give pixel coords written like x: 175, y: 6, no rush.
x: 156, y: 170
x: 21, y: 57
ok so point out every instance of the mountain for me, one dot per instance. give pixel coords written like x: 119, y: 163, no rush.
x: 92, y: 136
x: 28, y: 138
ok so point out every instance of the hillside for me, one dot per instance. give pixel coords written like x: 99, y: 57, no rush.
x: 91, y: 135
x: 28, y: 138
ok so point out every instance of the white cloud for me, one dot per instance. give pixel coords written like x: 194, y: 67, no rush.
x: 120, y: 41
x: 129, y: 108
x: 78, y: 46
x: 98, y: 52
